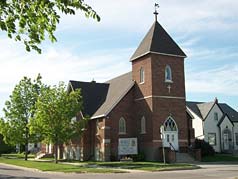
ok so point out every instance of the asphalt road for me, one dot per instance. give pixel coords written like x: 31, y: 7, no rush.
x: 206, y: 172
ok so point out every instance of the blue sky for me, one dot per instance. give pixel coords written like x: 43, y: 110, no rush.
x: 206, y: 30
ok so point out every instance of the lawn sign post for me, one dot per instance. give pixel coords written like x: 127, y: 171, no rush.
x: 162, y: 137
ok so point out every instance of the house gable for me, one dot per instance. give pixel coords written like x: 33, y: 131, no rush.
x: 210, y: 126
x: 197, y: 123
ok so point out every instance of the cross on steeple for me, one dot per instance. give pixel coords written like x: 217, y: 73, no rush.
x: 156, y: 12
x: 169, y: 88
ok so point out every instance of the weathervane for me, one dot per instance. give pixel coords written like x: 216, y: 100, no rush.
x: 156, y: 12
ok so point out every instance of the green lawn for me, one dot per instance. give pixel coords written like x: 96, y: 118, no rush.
x: 51, y: 166
x: 19, y: 156
x: 220, y: 158
x: 95, y: 167
x: 146, y: 166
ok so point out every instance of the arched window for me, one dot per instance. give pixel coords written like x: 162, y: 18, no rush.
x: 97, y: 127
x: 122, y: 126
x: 142, y: 75
x: 143, y: 125
x: 170, y: 125
x: 168, y: 74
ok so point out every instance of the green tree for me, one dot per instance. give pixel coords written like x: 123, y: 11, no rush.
x: 19, y: 110
x: 30, y: 21
x: 55, y: 117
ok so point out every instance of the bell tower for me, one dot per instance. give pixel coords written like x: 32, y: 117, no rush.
x: 158, y: 71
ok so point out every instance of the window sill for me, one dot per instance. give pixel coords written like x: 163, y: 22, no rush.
x: 168, y: 81
x: 141, y: 83
x: 143, y: 133
x: 121, y: 133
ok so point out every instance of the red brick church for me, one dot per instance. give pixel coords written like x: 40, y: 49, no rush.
x: 127, y: 112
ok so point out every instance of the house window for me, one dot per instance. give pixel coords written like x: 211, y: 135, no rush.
x: 142, y: 75
x: 168, y: 74
x: 143, y: 125
x: 122, y: 126
x: 236, y: 136
x: 97, y: 127
x: 212, y: 138
x: 216, y: 116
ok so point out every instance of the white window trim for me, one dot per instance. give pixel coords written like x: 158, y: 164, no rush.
x: 97, y: 127
x: 165, y: 72
x: 215, y: 142
x: 122, y: 132
x: 142, y: 80
x: 168, y: 81
x: 143, y: 129
x: 215, y: 114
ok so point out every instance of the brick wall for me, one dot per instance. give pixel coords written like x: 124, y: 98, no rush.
x: 125, y: 109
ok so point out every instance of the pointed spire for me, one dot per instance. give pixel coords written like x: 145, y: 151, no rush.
x: 156, y: 12
x: 158, y: 41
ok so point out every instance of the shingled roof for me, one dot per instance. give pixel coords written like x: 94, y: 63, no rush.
x: 94, y: 95
x: 100, y: 98
x: 193, y: 106
x: 229, y: 111
x: 202, y: 109
x: 157, y: 40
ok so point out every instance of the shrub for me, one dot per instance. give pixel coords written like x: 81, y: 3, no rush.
x: 139, y: 157
x: 206, y: 148
x: 4, y: 148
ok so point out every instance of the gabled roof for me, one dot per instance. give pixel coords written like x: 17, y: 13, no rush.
x: 193, y: 106
x: 205, y: 108
x: 94, y: 95
x: 100, y: 98
x: 118, y: 88
x: 231, y: 113
x: 222, y: 119
x: 157, y: 40
x: 202, y: 109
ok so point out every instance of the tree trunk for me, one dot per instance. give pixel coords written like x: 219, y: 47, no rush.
x: 26, y: 143
x: 56, y: 152
x: 26, y: 150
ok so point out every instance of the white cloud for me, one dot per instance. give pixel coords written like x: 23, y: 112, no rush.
x: 222, y: 80
x: 60, y: 65
x: 185, y: 19
x: 136, y: 16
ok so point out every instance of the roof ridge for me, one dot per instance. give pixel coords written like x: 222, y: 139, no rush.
x: 153, y: 36
x: 108, y: 81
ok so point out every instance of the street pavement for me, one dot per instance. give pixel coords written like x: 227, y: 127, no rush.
x: 208, y: 171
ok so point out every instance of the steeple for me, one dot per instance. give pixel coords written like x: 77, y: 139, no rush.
x: 158, y: 41
x: 156, y: 13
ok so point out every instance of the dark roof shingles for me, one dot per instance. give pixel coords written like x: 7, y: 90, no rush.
x: 202, y: 109
x: 99, y: 98
x: 94, y: 95
x: 159, y: 41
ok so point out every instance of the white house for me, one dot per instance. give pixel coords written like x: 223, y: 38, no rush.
x: 216, y: 123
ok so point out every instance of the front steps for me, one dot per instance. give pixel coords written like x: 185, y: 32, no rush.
x: 43, y: 155
x: 184, y: 158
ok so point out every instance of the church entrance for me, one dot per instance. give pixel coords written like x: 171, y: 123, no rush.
x: 170, y: 138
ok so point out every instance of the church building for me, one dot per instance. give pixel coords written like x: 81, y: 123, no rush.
x: 140, y: 111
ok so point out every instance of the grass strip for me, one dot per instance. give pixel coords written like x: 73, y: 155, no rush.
x: 220, y: 158
x: 51, y: 166
x: 145, y: 166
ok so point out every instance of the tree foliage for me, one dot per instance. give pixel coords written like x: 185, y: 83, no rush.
x: 55, y: 117
x: 19, y: 110
x: 30, y: 21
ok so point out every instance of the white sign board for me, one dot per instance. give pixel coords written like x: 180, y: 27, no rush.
x: 127, y: 146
